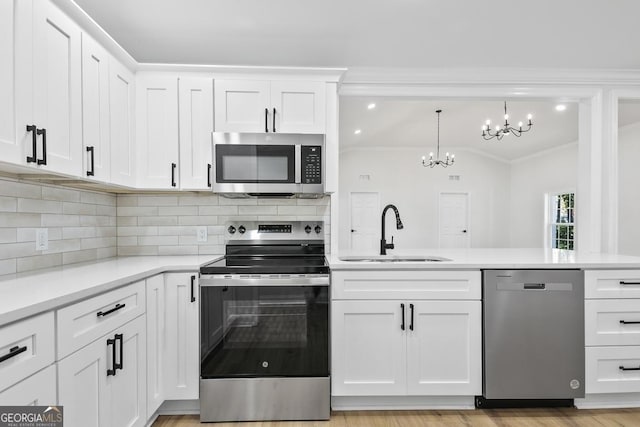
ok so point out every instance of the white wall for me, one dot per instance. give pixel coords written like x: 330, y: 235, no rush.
x: 402, y: 180
x: 531, y: 178
x: 629, y: 190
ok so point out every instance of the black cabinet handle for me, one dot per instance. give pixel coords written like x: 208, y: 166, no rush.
x: 209, y: 175
x: 622, y: 282
x: 173, y: 174
x: 112, y: 342
x: 411, y: 324
x: 539, y: 286
x: 266, y: 120
x: 116, y: 308
x: 118, y: 337
x: 193, y: 279
x: 622, y: 368
x: 402, y: 325
x: 32, y: 129
x: 624, y: 322
x: 93, y: 165
x: 13, y: 352
x: 43, y: 132
x: 274, y: 119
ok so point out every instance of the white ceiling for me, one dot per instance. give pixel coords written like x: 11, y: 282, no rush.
x: 584, y: 34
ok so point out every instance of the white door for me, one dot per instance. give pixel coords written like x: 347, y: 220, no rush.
x: 36, y: 390
x: 365, y: 221
x: 10, y: 150
x: 195, y: 96
x: 57, y: 86
x: 453, y: 217
x: 298, y: 107
x: 127, y: 390
x: 157, y: 131
x: 182, y: 358
x: 155, y: 342
x: 242, y: 106
x: 121, y: 110
x: 444, y: 349
x: 95, y: 110
x: 372, y: 348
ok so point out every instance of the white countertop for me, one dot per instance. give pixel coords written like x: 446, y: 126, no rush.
x: 486, y: 258
x: 49, y: 289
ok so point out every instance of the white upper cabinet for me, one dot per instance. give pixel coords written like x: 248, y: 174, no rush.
x: 10, y: 149
x: 195, y: 96
x: 270, y: 106
x: 57, y: 91
x: 157, y: 131
x: 121, y: 125
x: 95, y: 110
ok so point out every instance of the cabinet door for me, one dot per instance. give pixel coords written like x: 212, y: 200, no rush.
x: 368, y: 348
x: 196, y: 124
x: 37, y: 390
x: 444, y: 349
x: 242, y: 106
x: 300, y: 107
x: 155, y: 342
x: 57, y: 89
x: 182, y: 361
x: 95, y: 110
x: 121, y: 124
x: 82, y: 379
x: 10, y: 150
x: 127, y: 389
x: 157, y: 131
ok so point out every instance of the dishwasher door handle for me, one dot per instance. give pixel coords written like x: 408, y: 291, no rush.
x: 539, y: 286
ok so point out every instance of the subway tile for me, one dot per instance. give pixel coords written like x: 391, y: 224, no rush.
x: 106, y: 231
x: 277, y: 218
x: 98, y: 242
x: 97, y: 221
x: 126, y: 200
x: 39, y: 206
x: 177, y: 210
x: 137, y: 211
x: 193, y: 240
x: 198, y: 220
x: 79, y: 256
x: 29, y: 234
x: 157, y: 240
x: 38, y: 261
x: 224, y: 201
x: 257, y: 210
x: 57, y: 246
x: 98, y: 198
x: 158, y: 220
x: 8, y: 235
x: 60, y: 194
x: 296, y: 210
x: 218, y: 210
x: 201, y: 200
x: 10, y: 219
x: 106, y: 210
x: 177, y: 250
x: 179, y: 230
x: 157, y: 200
x: 322, y: 201
x: 17, y: 250
x: 227, y: 218
x: 102, y: 253
x: 20, y: 189
x: 8, y: 204
x: 216, y: 229
x: 137, y: 250
x: 127, y: 241
x: 211, y: 250
x: 51, y: 220
x: 7, y: 266
x: 78, y: 208
x: 126, y: 221
x: 137, y: 231
x: 277, y: 202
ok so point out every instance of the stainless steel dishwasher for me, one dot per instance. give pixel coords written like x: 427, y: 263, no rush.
x: 533, y: 337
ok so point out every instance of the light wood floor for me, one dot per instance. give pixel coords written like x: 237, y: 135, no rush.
x: 560, y: 417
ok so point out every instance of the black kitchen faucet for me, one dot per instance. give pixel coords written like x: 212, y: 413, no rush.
x: 383, y: 243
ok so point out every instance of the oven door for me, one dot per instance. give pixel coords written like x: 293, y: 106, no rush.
x: 264, y: 328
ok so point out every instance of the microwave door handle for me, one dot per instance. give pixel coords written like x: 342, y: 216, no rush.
x: 298, y: 159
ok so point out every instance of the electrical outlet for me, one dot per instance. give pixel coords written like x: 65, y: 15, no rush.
x: 42, y: 239
x: 202, y: 234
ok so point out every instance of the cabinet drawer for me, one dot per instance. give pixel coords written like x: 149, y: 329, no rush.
x: 37, y: 390
x: 612, y: 284
x: 398, y: 284
x: 611, y: 322
x: 26, y: 347
x: 81, y: 323
x: 612, y: 369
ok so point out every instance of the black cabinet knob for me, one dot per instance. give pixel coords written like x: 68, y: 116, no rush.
x: 318, y: 229
x: 241, y: 229
x: 307, y: 229
x: 231, y: 229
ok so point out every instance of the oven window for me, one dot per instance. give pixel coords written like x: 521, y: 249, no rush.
x: 255, y: 163
x: 264, y: 331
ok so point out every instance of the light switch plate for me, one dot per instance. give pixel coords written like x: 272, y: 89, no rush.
x: 42, y: 239
x: 202, y: 234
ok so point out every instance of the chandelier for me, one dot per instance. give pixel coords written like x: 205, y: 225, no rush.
x: 448, y: 160
x: 500, y: 132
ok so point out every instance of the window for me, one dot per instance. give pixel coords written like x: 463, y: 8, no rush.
x: 562, y: 220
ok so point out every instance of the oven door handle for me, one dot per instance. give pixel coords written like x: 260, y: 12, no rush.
x: 221, y: 280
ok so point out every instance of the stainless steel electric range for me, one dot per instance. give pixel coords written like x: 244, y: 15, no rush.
x: 264, y: 325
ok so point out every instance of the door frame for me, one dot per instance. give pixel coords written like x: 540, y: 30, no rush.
x: 350, y: 211
x: 466, y: 193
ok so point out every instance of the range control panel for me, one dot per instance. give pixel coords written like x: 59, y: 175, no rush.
x: 311, y: 164
x: 274, y: 230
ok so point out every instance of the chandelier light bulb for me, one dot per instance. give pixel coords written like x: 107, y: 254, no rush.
x: 431, y: 155
x: 529, y: 117
x: 424, y: 158
x: 497, y: 128
x: 519, y: 124
x: 506, y: 117
x: 488, y: 122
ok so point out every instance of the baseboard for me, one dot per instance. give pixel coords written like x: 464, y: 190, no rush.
x: 179, y: 407
x: 375, y: 403
x: 609, y: 401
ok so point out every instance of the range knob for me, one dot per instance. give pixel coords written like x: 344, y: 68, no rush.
x: 307, y: 229
x: 318, y: 229
x: 241, y: 229
x: 231, y: 229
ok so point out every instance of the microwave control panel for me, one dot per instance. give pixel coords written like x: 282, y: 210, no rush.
x: 311, y: 164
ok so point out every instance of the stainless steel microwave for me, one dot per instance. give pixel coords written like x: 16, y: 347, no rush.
x: 274, y: 164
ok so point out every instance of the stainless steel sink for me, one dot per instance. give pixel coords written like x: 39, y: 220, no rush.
x: 393, y: 258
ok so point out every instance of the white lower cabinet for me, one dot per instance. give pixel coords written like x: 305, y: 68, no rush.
x: 181, y: 358
x: 104, y: 383
x: 156, y: 342
x: 400, y: 347
x: 37, y: 390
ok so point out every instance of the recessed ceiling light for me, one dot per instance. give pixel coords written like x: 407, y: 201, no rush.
x: 371, y: 106
x: 561, y: 107
x: 357, y: 131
